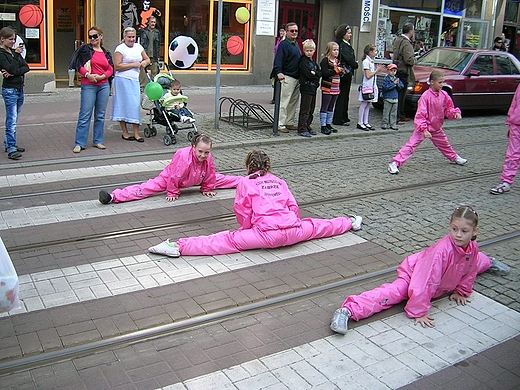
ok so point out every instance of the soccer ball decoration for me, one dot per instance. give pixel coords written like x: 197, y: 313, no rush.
x: 183, y: 52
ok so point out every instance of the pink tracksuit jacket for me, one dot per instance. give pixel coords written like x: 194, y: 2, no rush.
x: 183, y: 171
x: 435, y: 271
x: 512, y: 160
x: 431, y: 110
x: 269, y: 217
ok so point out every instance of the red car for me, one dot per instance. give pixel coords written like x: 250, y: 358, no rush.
x: 475, y: 79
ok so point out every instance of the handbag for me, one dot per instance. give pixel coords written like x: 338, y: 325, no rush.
x: 367, y: 93
x: 8, y: 282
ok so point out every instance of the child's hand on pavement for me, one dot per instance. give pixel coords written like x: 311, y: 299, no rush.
x: 171, y: 198
x: 458, y: 116
x: 427, y: 134
x: 459, y: 299
x: 210, y: 194
x: 425, y: 321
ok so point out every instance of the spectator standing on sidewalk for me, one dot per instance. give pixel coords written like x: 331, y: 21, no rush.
x: 512, y: 160
x: 286, y: 68
x: 280, y: 38
x: 331, y: 72
x: 13, y: 68
x: 94, y: 63
x: 309, y: 81
x: 150, y: 40
x: 404, y: 58
x: 390, y: 91
x: 347, y: 59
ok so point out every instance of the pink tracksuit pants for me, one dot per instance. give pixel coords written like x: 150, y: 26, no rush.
x: 254, y: 238
x: 158, y: 184
x: 439, y: 139
x: 385, y: 296
x: 512, y: 160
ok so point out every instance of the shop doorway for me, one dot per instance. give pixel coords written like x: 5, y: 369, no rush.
x: 69, y: 33
x: 306, y: 16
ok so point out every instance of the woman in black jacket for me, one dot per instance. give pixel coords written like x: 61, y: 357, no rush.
x: 347, y: 59
x: 13, y: 68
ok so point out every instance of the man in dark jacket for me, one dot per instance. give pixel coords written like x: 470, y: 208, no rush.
x: 286, y: 68
x: 404, y: 58
x: 150, y: 40
x: 347, y: 59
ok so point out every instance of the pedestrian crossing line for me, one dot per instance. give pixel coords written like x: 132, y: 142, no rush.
x: 64, y: 286
x: 66, y: 212
x: 385, y: 354
x: 81, y: 173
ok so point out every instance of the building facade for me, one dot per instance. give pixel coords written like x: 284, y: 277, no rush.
x: 52, y: 29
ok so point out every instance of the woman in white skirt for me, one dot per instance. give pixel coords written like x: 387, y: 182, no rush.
x: 129, y: 57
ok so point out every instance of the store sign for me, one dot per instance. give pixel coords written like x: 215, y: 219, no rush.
x: 266, y: 17
x: 366, y: 15
x: 454, y: 7
x: 7, y: 16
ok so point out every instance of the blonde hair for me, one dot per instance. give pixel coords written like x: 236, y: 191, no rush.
x: 328, y: 49
x: 127, y: 30
x: 308, y: 44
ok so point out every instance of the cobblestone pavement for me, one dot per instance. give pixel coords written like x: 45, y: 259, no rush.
x: 349, y: 166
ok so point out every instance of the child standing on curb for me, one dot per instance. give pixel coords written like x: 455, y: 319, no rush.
x: 390, y: 91
x: 370, y: 70
x: 433, y: 106
x: 512, y: 160
x: 309, y: 81
x: 450, y: 265
x: 331, y: 73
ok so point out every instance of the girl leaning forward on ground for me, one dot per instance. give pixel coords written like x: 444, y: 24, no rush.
x: 449, y: 266
x: 129, y: 58
x: 94, y: 63
x: 268, y: 216
x: 190, y: 166
x: 13, y: 68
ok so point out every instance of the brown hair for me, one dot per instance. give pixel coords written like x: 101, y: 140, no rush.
x: 436, y: 75
x: 175, y: 83
x: 467, y: 213
x: 97, y: 29
x: 341, y: 31
x: 257, y: 161
x: 201, y: 138
x: 7, y: 32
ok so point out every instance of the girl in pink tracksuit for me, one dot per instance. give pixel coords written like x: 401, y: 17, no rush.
x: 433, y: 106
x: 512, y: 160
x: 268, y: 215
x: 450, y: 265
x: 190, y: 166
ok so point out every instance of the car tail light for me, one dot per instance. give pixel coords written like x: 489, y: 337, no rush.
x: 419, y: 87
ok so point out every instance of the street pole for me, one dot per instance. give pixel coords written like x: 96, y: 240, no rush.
x: 219, y: 58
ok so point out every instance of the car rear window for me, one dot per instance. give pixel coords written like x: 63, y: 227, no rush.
x: 445, y: 59
x: 505, y: 66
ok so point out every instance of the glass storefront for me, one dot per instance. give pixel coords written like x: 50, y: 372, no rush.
x: 198, y: 19
x: 458, y: 24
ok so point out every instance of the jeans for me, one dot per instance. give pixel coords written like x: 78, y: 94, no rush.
x: 92, y: 97
x: 13, y: 99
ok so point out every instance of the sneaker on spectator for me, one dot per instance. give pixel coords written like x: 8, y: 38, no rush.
x: 460, y: 161
x: 339, y: 320
x: 305, y: 134
x: 357, y: 220
x: 500, y: 189
x: 393, y: 168
x: 105, y: 197
x: 166, y: 248
x: 499, y: 268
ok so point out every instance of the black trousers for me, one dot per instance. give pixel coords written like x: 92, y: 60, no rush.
x: 307, y: 106
x: 400, y: 102
x: 341, y: 107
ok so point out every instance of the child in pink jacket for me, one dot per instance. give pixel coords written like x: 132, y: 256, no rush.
x: 512, y: 160
x: 268, y: 216
x: 190, y: 166
x: 450, y: 265
x: 433, y: 106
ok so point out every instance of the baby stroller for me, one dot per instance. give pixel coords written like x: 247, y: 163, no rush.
x: 159, y: 115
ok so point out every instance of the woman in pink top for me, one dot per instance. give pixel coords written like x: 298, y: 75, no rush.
x: 94, y: 64
x: 450, y: 265
x: 433, y: 105
x: 190, y: 166
x: 268, y: 216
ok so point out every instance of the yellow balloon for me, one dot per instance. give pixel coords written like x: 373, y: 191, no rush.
x: 242, y: 15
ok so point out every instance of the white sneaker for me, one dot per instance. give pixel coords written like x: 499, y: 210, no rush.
x: 339, y: 320
x: 460, y: 161
x: 166, y: 248
x: 393, y: 168
x: 356, y: 222
x: 500, y: 189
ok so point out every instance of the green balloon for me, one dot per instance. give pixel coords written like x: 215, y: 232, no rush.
x: 153, y: 90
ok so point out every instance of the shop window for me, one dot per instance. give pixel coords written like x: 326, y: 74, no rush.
x: 27, y: 18
x: 483, y: 64
x: 474, y: 9
x: 505, y: 66
x: 432, y: 6
x: 511, y: 12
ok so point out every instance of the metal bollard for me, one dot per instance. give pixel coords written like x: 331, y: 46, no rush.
x: 277, y: 92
